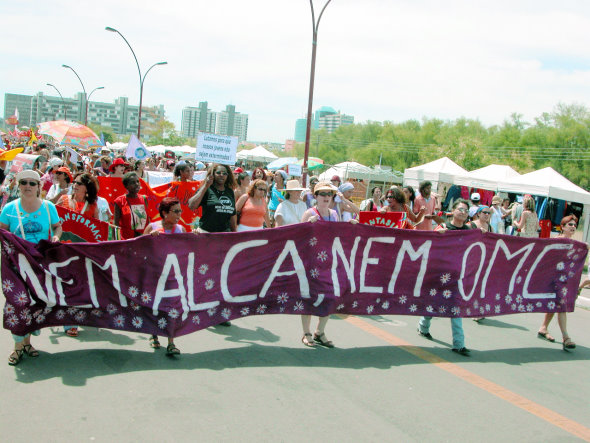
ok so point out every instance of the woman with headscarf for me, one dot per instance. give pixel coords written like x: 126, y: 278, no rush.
x: 33, y: 219
x: 346, y: 209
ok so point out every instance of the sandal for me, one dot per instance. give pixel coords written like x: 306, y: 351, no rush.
x: 154, y: 342
x: 307, y: 341
x: 15, y: 357
x: 318, y: 339
x: 568, y: 344
x: 30, y: 351
x: 171, y: 349
x: 72, y: 332
x: 546, y: 336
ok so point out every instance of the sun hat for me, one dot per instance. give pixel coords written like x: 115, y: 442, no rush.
x: 118, y: 162
x: 293, y: 185
x: 66, y: 171
x: 345, y: 187
x: 475, y: 196
x: 324, y: 186
x: 28, y: 173
x: 336, y: 179
x: 238, y: 170
x: 54, y: 162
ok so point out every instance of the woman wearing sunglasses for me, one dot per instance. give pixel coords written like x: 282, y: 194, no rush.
x: 482, y: 218
x: 62, y: 185
x: 396, y: 202
x: 251, y: 207
x: 170, y: 212
x: 32, y: 219
x: 84, y: 196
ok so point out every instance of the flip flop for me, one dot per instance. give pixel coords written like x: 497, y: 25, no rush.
x: 72, y: 332
x: 154, y: 342
x: 320, y: 341
x: 546, y: 336
x: 30, y: 351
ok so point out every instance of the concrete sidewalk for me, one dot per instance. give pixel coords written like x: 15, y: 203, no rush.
x: 583, y: 300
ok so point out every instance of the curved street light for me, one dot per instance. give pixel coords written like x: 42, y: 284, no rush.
x: 141, y: 79
x: 88, y: 101
x: 311, y: 83
x: 62, y: 100
x: 84, y: 89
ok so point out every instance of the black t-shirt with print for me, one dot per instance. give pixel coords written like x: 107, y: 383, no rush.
x: 218, y: 208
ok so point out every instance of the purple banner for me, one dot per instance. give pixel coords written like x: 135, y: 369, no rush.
x: 177, y: 284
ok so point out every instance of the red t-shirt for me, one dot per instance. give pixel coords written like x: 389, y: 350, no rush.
x: 134, y: 218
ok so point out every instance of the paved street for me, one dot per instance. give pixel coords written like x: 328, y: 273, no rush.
x: 255, y: 381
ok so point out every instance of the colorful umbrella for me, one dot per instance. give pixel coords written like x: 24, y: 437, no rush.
x: 312, y: 162
x: 70, y: 134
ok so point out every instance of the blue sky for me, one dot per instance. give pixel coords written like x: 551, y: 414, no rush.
x: 377, y: 59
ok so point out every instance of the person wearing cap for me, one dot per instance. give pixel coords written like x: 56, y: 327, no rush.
x: 346, y: 209
x: 33, y: 219
x: 251, y: 208
x: 274, y: 194
x: 427, y: 200
x: 336, y: 181
x: 292, y: 209
x: 62, y: 185
x: 475, y: 200
x: 118, y: 167
x: 237, y: 171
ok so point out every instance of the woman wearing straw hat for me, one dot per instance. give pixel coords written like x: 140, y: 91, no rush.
x: 292, y: 209
x: 32, y: 219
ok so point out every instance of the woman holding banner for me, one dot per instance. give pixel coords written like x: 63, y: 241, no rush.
x: 251, y: 208
x: 131, y: 210
x: 396, y: 200
x: 32, y: 219
x: 84, y: 196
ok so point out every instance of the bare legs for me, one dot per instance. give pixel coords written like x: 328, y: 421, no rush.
x: 561, y: 320
x: 319, y: 332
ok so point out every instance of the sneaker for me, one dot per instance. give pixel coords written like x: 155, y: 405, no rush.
x: 424, y: 334
x: 462, y: 351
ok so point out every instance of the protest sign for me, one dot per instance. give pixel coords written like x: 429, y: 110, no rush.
x: 294, y: 170
x: 212, y: 148
x: 385, y: 219
x: 176, y: 284
x: 79, y: 228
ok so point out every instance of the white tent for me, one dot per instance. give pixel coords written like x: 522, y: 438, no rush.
x: 257, y: 154
x: 346, y: 170
x: 432, y: 172
x: 483, y: 178
x: 548, y: 182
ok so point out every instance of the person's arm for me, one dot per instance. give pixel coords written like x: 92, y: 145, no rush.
x: 233, y: 223
x: 267, y: 218
x: 520, y: 224
x: 117, y: 216
x: 309, y: 216
x: 58, y: 195
x: 195, y: 200
x: 347, y: 205
x: 4, y: 226
x: 241, y: 202
x: 57, y: 231
x: 413, y: 217
x: 149, y: 230
x: 96, y: 214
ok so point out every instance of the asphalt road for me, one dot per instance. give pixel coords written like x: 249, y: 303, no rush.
x: 255, y: 381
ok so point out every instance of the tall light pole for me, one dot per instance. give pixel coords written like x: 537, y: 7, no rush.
x: 311, y: 82
x: 88, y: 101
x: 141, y: 79
x: 62, y: 100
x: 84, y: 89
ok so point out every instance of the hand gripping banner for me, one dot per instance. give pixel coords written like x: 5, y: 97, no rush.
x: 177, y: 284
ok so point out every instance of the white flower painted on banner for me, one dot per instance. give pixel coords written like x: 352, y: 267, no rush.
x: 173, y: 313
x: 196, y: 320
x: 22, y: 298
x: 468, y: 311
x: 340, y: 307
x: 378, y: 300
x: 12, y: 320
x: 481, y: 310
x: 24, y: 313
x: 508, y: 299
x: 530, y: 307
x: 80, y: 316
x: 576, y: 257
x: 562, y: 301
x: 475, y: 304
x: 298, y: 306
x: 551, y: 305
x: 245, y: 311
x: 564, y: 290
x: 72, y: 310
x: 282, y: 309
x: 119, y: 321
x: 282, y: 298
x: 323, y: 256
x: 46, y: 310
x: 572, y: 265
x: 203, y: 269
x: 385, y: 305
x: 7, y: 285
x: 133, y: 292
x: 137, y: 322
x: 37, y: 313
x: 445, y: 278
x: 162, y: 323
x: 209, y: 284
x: 111, y: 308
x: 314, y: 273
x: 433, y: 292
x: 497, y: 309
x: 146, y: 297
x: 261, y: 309
x: 539, y: 304
x: 521, y: 308
x: 513, y: 306
x: 226, y: 313
x: 447, y: 293
x: 429, y: 308
x: 8, y: 308
x: 560, y: 266
x: 571, y: 274
x: 60, y: 314
x: 455, y: 310
x: 403, y: 299
x: 370, y: 309
x: 135, y: 306
x: 355, y: 304
x: 7, y: 248
x: 95, y: 312
x: 40, y: 318
x: 488, y: 307
x: 413, y: 308
x: 498, y: 296
x: 563, y: 278
x: 313, y: 241
x: 442, y: 309
x: 211, y: 312
x: 519, y: 298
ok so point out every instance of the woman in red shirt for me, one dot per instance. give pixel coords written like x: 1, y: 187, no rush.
x: 84, y: 196
x: 131, y: 210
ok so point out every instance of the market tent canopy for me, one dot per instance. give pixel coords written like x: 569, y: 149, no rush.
x: 432, y: 172
x: 482, y: 178
x: 346, y: 170
x: 257, y: 154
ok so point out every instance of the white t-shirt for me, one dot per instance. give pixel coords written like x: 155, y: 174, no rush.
x: 291, y: 212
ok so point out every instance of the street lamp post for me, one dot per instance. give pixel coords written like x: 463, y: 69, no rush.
x: 83, y: 88
x: 141, y: 79
x: 62, y: 100
x: 88, y: 101
x: 311, y: 82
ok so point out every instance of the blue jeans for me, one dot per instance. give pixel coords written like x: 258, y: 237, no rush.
x: 456, y: 328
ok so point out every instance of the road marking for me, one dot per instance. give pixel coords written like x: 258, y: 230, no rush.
x: 517, y: 400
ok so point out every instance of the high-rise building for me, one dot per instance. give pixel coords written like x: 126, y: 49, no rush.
x: 201, y: 119
x: 119, y: 116
x: 325, y: 117
x: 333, y: 121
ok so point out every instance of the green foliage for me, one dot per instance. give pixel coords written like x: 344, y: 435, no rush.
x: 107, y: 132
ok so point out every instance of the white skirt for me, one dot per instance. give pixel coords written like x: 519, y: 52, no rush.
x: 242, y: 228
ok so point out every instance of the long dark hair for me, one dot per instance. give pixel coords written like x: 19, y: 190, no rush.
x: 91, y: 186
